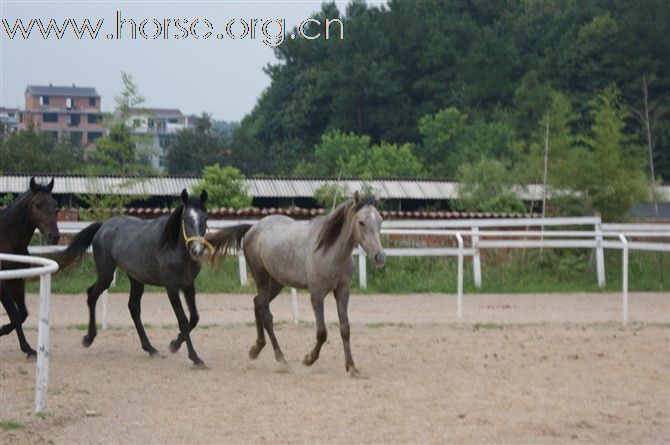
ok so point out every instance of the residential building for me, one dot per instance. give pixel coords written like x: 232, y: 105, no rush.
x: 9, y: 118
x: 66, y: 112
x: 159, y: 126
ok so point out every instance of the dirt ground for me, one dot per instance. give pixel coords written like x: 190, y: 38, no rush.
x: 547, y: 368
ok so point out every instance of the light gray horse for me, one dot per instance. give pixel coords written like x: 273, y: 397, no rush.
x: 314, y: 255
x: 162, y: 252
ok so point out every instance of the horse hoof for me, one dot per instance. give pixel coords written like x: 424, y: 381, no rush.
x: 355, y: 373
x: 87, y: 341
x: 308, y: 360
x: 156, y: 353
x: 174, y: 346
x: 255, y: 351
x: 200, y: 365
x: 31, y: 355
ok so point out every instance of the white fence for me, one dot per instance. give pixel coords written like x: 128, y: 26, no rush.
x: 597, y: 236
x: 44, y: 271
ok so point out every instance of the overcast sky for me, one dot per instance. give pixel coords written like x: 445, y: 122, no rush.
x: 220, y: 76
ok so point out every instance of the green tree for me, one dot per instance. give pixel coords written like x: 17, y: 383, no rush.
x: 331, y: 195
x: 486, y: 185
x: 31, y: 151
x: 350, y: 155
x: 194, y: 148
x: 117, y: 152
x: 610, y: 174
x: 226, y: 187
x: 450, y: 140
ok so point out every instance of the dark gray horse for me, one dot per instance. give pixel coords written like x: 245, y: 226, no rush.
x: 314, y: 255
x: 162, y: 252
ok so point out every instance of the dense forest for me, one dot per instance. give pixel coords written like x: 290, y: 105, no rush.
x: 495, y: 94
x: 458, y: 80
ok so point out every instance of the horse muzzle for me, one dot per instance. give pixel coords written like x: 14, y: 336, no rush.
x: 53, y: 237
x: 379, y: 259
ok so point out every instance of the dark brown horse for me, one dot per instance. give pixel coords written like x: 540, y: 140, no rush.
x: 34, y: 209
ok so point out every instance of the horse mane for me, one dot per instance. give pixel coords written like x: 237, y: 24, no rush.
x: 171, y: 233
x: 334, y: 223
x: 14, y: 205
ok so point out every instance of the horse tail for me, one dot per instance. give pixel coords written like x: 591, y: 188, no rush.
x: 228, y: 238
x: 78, y: 245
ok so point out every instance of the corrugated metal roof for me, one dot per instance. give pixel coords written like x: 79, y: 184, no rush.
x: 258, y: 187
x: 73, y: 91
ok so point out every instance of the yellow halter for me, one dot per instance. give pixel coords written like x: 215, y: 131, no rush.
x: 190, y: 239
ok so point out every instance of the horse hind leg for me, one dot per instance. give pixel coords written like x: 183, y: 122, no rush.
x: 260, y: 339
x: 105, y: 276
x: 264, y: 299
x: 134, y: 306
x: 321, y: 332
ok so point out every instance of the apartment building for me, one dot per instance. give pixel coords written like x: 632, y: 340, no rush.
x: 71, y: 113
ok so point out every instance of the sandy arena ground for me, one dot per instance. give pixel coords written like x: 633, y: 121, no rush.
x: 548, y: 368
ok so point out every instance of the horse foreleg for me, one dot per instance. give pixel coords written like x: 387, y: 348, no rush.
x: 321, y: 332
x: 189, y: 296
x: 16, y: 310
x: 135, y: 308
x: 342, y: 299
x: 173, y: 294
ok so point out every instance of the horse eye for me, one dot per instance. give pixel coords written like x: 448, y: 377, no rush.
x: 361, y: 223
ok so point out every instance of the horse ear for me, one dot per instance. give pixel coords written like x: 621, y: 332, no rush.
x: 357, y: 197
x: 33, y: 184
x: 184, y: 196
x: 203, y: 196
x: 50, y: 186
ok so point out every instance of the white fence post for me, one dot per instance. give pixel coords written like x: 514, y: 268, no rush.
x: 600, y: 256
x: 294, y: 304
x: 243, y: 270
x: 362, y: 273
x: 42, y: 369
x: 476, y: 262
x: 459, y: 304
x: 624, y: 277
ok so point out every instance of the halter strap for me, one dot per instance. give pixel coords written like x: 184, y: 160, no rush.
x: 190, y: 239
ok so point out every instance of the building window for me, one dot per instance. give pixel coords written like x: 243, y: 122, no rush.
x: 93, y: 135
x: 50, y: 117
x: 68, y: 103
x: 161, y: 161
x: 136, y: 123
x: 150, y: 123
x: 173, y: 120
x: 91, y: 101
x: 75, y: 137
x: 93, y: 118
x: 44, y: 100
x: 75, y: 120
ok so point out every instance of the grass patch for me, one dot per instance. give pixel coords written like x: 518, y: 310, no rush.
x: 9, y: 425
x: 556, y: 270
x: 487, y: 325
x: 78, y: 326
x: 382, y: 324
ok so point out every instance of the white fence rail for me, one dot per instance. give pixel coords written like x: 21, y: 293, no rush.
x: 44, y: 271
x: 479, y: 231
